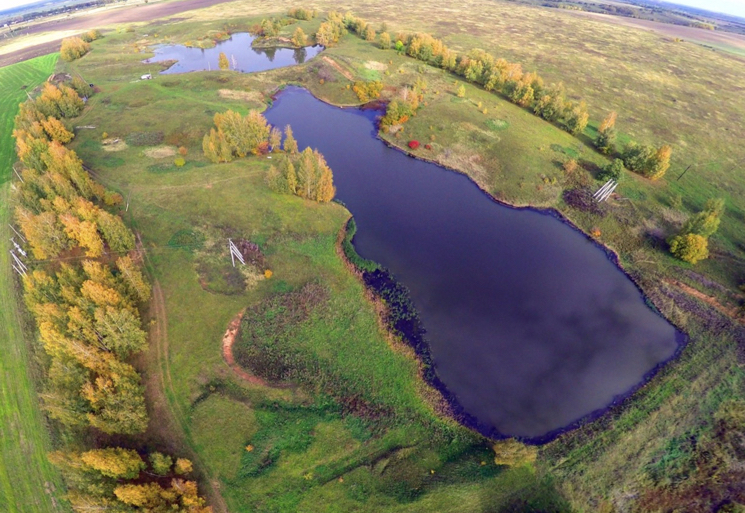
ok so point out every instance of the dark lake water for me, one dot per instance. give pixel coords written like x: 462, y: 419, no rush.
x: 238, y: 49
x: 531, y: 326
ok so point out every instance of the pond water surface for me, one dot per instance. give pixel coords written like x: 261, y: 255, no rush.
x: 239, y: 52
x: 530, y: 325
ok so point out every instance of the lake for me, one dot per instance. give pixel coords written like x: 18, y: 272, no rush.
x: 239, y: 52
x: 531, y: 326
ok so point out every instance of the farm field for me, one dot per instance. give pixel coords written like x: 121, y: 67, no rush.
x: 292, y: 448
x: 28, y: 482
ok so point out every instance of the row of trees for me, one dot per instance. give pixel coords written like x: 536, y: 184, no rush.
x: 691, y: 244
x: 300, y: 13
x: 331, y: 30
x: 73, y: 48
x: 304, y: 174
x: 237, y: 136
x: 526, y: 89
x: 645, y: 160
x: 120, y: 480
x: 86, y: 311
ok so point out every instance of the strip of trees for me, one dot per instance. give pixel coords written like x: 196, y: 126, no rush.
x: 75, y: 47
x: 84, y: 291
x: 526, y: 89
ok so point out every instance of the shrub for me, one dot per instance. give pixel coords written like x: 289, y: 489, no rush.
x: 179, y: 161
x: 613, y: 170
x: 413, y: 145
x: 183, y: 151
x: 690, y: 247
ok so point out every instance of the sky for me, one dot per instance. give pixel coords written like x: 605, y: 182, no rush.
x: 736, y: 7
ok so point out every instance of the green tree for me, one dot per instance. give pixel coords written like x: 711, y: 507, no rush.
x: 223, y: 61
x: 706, y: 222
x: 613, y: 170
x: 690, y: 247
x: 120, y: 331
x: 160, y: 463
x: 114, y: 462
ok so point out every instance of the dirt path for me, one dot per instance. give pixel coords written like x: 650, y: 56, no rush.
x: 166, y: 417
x: 338, y: 68
x: 731, y: 312
x: 98, y: 20
x: 227, y: 352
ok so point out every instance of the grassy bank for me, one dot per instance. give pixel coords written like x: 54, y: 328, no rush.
x: 28, y: 482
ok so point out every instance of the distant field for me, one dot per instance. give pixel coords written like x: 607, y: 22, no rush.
x: 28, y: 482
x: 723, y: 40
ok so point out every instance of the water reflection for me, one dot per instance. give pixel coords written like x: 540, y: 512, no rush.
x: 241, y: 55
x: 531, y: 325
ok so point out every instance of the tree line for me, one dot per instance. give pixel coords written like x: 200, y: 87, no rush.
x: 526, y: 89
x: 75, y: 47
x: 84, y: 291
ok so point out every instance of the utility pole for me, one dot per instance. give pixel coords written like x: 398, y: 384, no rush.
x: 235, y: 253
x: 684, y: 172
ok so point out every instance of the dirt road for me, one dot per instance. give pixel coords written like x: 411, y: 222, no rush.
x: 97, y: 20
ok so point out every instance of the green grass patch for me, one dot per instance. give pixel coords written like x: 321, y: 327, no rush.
x: 28, y: 482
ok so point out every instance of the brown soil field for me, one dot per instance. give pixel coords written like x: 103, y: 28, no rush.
x: 97, y: 20
x: 689, y: 33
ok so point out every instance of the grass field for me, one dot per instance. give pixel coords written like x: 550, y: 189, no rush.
x: 318, y: 454
x: 28, y: 482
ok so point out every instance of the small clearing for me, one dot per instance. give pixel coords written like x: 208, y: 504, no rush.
x: 113, y: 144
x: 160, y: 152
x: 247, y: 96
x: 376, y: 66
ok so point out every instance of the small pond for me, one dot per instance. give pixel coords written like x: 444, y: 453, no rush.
x: 242, y: 56
x: 532, y: 327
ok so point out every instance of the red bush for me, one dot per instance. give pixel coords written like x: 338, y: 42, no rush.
x: 413, y: 145
x: 427, y: 146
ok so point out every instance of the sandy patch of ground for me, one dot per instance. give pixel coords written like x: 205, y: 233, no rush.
x: 247, y: 96
x: 114, y: 144
x: 338, y: 68
x: 375, y: 65
x: 160, y: 152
